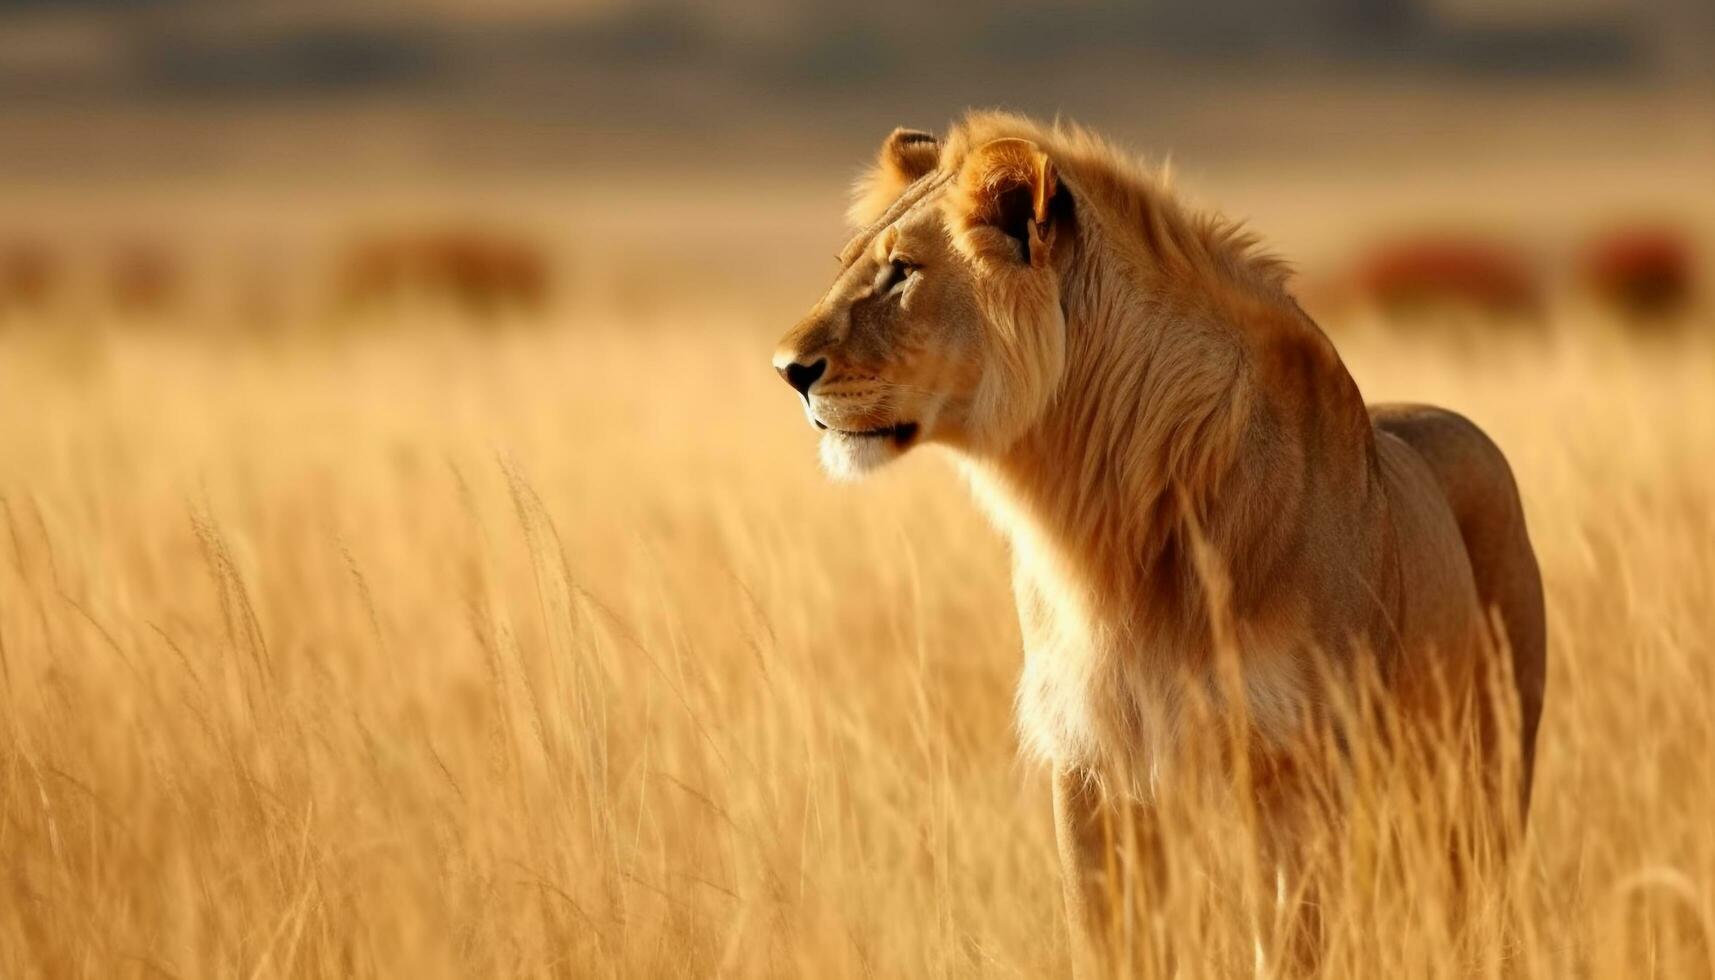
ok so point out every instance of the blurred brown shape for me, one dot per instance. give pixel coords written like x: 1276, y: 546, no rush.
x: 145, y: 278
x: 482, y: 272
x: 1645, y: 273
x: 1431, y: 273
x: 30, y: 274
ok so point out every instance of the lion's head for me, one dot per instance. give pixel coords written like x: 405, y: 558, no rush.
x: 944, y: 324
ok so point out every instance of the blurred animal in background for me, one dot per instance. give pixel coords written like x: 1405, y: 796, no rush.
x: 482, y: 272
x: 1425, y: 275
x: 144, y: 277
x: 1644, y: 274
x: 30, y: 275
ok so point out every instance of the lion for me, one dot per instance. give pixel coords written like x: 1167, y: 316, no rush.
x: 1187, y: 473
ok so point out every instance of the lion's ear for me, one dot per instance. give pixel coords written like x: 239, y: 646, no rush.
x: 906, y: 155
x: 1005, y: 201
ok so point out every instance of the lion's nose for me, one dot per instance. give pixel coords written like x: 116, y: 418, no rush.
x: 801, y: 376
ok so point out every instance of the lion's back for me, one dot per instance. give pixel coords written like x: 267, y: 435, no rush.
x: 1476, y: 482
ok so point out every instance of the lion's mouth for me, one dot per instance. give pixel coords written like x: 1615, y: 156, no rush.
x: 901, y: 433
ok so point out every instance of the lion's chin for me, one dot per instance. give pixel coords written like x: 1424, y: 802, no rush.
x: 849, y: 456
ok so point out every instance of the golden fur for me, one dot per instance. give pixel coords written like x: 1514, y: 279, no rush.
x: 1181, y: 461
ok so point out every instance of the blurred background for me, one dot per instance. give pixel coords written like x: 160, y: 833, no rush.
x: 262, y: 162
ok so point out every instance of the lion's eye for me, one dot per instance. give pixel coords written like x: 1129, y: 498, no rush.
x: 895, y: 275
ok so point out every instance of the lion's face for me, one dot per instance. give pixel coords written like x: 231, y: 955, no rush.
x: 893, y: 354
x: 941, y: 326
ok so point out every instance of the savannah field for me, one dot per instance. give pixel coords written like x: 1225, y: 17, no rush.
x: 378, y: 645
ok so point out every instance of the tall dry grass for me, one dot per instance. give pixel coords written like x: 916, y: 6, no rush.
x: 430, y: 654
